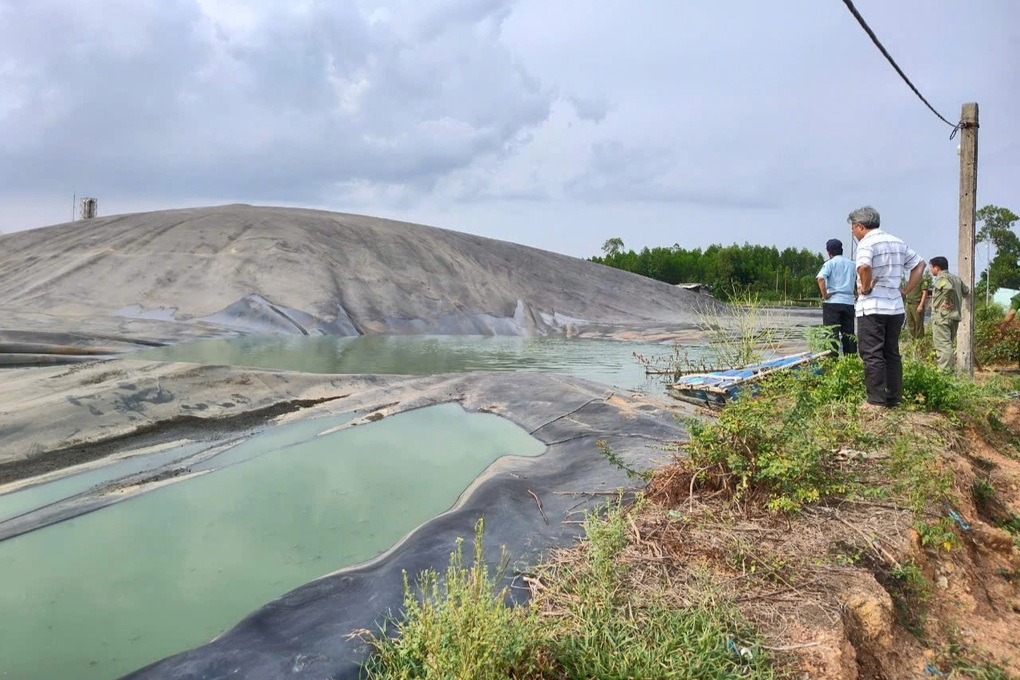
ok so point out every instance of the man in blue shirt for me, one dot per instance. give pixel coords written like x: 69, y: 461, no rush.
x: 836, y: 281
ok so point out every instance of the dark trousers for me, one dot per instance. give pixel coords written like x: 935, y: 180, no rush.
x: 840, y: 319
x: 879, y: 338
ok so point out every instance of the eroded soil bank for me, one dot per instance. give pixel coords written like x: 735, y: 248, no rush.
x: 851, y: 590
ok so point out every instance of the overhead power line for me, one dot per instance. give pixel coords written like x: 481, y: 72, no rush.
x: 867, y: 29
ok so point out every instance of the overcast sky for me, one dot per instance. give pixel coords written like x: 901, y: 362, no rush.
x: 553, y: 123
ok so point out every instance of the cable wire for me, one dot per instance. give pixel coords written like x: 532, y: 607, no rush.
x: 867, y: 29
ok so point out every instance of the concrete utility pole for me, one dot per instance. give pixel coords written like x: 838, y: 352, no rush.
x: 968, y: 218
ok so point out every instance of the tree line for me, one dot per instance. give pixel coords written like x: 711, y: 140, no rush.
x: 790, y: 275
x: 765, y: 271
x: 998, y: 231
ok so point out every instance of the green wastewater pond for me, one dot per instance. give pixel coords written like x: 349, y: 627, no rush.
x: 105, y: 593
x: 611, y: 362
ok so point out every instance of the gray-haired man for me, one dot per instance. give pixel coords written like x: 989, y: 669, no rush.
x: 882, y: 261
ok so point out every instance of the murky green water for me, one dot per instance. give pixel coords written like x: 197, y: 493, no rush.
x: 33, y: 497
x: 607, y: 361
x: 18, y: 502
x: 105, y: 593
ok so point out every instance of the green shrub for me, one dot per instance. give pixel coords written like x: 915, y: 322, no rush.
x: 927, y: 387
x: 992, y: 345
x: 983, y: 493
x: 920, y: 349
x: 938, y: 535
x: 841, y: 380
x: 917, y: 477
x: 459, y: 627
x: 909, y: 590
x: 780, y: 444
x: 912, y: 580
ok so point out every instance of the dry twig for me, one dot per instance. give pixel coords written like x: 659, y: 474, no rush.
x: 539, y: 505
x: 872, y: 541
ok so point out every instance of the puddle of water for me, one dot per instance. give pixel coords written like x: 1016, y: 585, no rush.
x: 22, y: 501
x: 105, y: 593
x: 37, y: 496
x: 610, y: 362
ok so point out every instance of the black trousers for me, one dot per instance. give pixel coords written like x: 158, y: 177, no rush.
x: 842, y: 317
x: 879, y: 338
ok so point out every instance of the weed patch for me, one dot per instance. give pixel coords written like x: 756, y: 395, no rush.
x: 958, y: 660
x: 917, y: 474
x: 788, y: 445
x: 927, y: 387
x: 621, y: 622
x: 587, y: 618
x: 800, y: 439
x: 459, y: 627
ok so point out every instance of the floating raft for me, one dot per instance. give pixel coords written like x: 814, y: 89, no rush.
x: 715, y: 388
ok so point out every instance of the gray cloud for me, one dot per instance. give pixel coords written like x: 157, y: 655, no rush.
x: 299, y: 102
x: 593, y: 109
x: 616, y: 172
x: 551, y: 124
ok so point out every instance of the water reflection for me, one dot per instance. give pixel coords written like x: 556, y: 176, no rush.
x: 606, y: 361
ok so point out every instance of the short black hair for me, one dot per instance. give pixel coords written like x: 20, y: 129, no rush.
x: 939, y: 261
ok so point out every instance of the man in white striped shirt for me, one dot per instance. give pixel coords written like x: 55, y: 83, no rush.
x: 882, y: 261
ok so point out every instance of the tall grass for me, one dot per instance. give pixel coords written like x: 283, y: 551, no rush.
x: 459, y: 627
x: 744, y: 332
x: 588, y: 621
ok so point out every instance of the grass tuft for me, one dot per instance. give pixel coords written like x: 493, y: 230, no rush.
x: 588, y: 620
x: 459, y: 627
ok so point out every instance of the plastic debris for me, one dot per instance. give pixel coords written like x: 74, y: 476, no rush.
x: 959, y: 520
x: 742, y: 653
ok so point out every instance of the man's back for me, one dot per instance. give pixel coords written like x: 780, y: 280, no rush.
x: 840, y: 274
x: 890, y: 259
x: 947, y: 297
x: 914, y: 297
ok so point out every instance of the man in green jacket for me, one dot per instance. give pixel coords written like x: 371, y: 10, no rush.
x: 948, y: 292
x: 914, y: 306
x: 1014, y: 305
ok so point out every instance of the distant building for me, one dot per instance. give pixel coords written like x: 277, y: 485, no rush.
x: 702, y: 288
x: 1002, y: 296
x: 89, y: 208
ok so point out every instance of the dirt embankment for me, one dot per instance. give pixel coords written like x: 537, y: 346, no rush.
x: 853, y: 591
